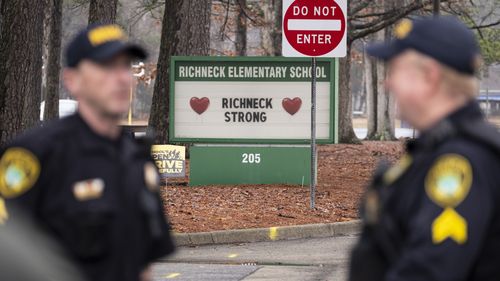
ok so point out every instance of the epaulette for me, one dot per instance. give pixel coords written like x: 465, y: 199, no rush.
x: 483, y: 132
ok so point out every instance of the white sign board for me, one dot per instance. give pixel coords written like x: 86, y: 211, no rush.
x: 250, y: 100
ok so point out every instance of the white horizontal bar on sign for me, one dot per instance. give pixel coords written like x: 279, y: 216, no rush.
x: 315, y: 25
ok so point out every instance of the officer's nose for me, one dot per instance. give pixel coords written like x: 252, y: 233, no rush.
x: 125, y: 76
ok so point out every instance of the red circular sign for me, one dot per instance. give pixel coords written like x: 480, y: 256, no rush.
x: 314, y: 28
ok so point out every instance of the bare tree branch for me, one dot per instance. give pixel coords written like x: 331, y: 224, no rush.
x: 389, y: 18
x: 223, y: 27
x: 243, y: 10
x: 361, y: 6
x: 478, y: 27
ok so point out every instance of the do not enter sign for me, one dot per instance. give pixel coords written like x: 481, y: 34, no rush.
x: 314, y: 28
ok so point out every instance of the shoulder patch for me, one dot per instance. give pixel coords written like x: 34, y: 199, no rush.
x: 19, y: 171
x: 449, y: 180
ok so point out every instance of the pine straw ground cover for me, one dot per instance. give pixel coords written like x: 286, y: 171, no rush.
x: 343, y: 172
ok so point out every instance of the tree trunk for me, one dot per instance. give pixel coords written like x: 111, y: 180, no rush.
x: 241, y: 29
x: 267, y: 30
x: 185, y: 31
x: 361, y: 102
x: 0, y: 19
x: 384, y: 129
x: 346, y: 131
x: 51, y: 110
x: 371, y: 94
x: 102, y: 11
x: 21, y: 66
x: 385, y: 116
x: 278, y: 22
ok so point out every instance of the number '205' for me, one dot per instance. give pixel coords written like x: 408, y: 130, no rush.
x: 250, y: 158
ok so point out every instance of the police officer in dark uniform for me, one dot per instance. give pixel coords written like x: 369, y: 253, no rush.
x: 435, y: 215
x: 91, y: 186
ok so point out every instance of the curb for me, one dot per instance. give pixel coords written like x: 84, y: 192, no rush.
x: 268, y: 234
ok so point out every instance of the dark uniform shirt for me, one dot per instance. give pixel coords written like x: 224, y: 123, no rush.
x: 436, y: 214
x: 98, y: 197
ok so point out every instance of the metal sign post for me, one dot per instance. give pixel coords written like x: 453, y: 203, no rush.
x: 313, y: 28
x: 313, y: 133
x: 436, y: 7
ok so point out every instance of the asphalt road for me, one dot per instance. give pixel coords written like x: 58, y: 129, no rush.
x: 297, y: 260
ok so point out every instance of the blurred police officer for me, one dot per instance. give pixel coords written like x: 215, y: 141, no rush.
x: 435, y: 215
x: 28, y: 254
x: 90, y: 185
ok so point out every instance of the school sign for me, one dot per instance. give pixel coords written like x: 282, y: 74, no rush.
x: 249, y: 100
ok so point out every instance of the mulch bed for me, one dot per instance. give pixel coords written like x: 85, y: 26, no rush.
x: 343, y: 172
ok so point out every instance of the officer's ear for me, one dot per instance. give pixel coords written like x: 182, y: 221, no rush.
x: 72, y: 80
x: 434, y: 74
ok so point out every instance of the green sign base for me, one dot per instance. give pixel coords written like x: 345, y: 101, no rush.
x: 212, y: 165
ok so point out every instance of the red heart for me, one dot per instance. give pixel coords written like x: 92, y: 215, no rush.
x: 199, y: 105
x: 291, y: 106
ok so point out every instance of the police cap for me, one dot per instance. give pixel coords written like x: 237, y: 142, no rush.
x: 100, y: 43
x: 444, y: 38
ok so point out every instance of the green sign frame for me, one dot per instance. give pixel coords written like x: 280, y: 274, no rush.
x: 334, y: 98
x: 228, y: 165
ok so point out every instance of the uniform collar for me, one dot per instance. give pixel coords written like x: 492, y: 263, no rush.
x: 447, y: 127
x: 468, y: 113
x: 90, y: 140
x: 124, y: 147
